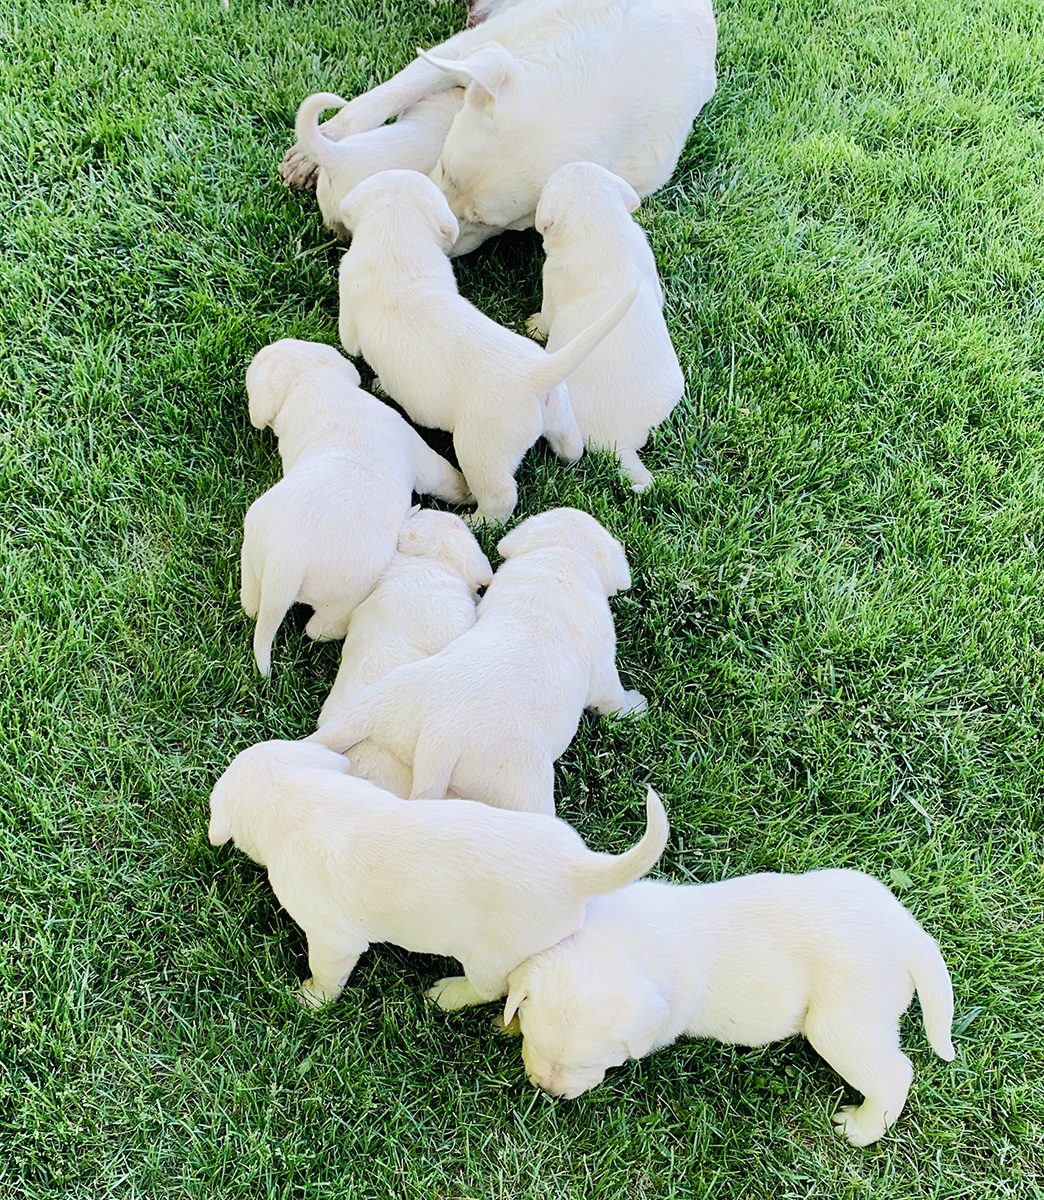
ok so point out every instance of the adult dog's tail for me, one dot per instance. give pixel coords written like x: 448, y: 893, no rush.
x: 607, y: 872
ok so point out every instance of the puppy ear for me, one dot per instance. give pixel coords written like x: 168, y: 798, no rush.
x: 617, y: 571
x: 646, y: 1027
x: 266, y: 387
x: 483, y: 73
x: 545, y: 214
x: 516, y: 994
x: 630, y: 197
x: 220, y: 829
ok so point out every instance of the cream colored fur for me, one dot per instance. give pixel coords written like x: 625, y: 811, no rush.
x: 831, y: 954
x: 489, y: 715
x: 355, y: 865
x: 594, y: 251
x: 326, y: 531
x: 446, y: 363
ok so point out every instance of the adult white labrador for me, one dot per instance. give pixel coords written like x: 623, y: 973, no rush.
x: 617, y: 82
x: 830, y: 954
x: 325, y: 532
x: 594, y: 250
x: 489, y: 715
x: 424, y: 600
x: 413, y: 142
x: 446, y: 363
x: 354, y: 865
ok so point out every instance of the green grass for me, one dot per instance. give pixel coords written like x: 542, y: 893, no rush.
x: 837, y: 611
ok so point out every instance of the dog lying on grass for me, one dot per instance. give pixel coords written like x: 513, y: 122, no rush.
x: 447, y: 364
x: 325, y: 532
x: 594, y: 250
x: 413, y: 142
x: 489, y: 715
x: 830, y: 954
x: 424, y: 600
x: 354, y: 865
x: 548, y: 82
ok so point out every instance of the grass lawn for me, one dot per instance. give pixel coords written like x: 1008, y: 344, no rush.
x: 837, y: 612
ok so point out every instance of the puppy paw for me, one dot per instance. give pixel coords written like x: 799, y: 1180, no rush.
x: 512, y: 1029
x: 535, y: 328
x: 308, y: 995
x: 862, y: 1128
x: 633, y: 706
x: 297, y: 170
x: 452, y: 993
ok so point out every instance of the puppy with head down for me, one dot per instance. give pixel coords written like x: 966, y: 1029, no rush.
x: 447, y: 364
x: 354, y: 865
x: 424, y: 600
x: 488, y: 715
x: 413, y: 143
x: 631, y: 381
x: 830, y: 954
x: 325, y: 532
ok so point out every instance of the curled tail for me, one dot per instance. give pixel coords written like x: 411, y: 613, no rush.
x: 564, y: 362
x: 611, y: 871
x: 280, y: 584
x: 932, y: 980
x: 306, y: 127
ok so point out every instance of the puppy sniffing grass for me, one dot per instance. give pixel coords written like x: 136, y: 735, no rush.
x: 830, y: 954
x: 325, y: 532
x: 355, y: 865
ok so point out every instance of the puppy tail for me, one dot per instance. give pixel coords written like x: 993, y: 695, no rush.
x: 306, y: 126
x: 280, y: 584
x: 347, y: 729
x: 932, y: 981
x: 564, y: 362
x: 612, y: 871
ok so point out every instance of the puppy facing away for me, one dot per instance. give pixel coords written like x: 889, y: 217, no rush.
x: 424, y: 600
x: 830, y: 954
x: 594, y: 250
x: 354, y: 865
x: 447, y: 364
x: 325, y: 532
x: 412, y: 142
x: 548, y: 82
x: 488, y: 715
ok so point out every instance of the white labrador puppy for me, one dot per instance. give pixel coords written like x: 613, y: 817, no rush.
x: 446, y: 363
x: 594, y: 250
x: 830, y: 954
x: 413, y: 142
x: 617, y: 82
x: 489, y: 715
x: 325, y: 532
x: 424, y: 600
x: 354, y: 865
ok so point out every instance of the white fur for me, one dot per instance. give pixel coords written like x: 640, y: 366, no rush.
x: 354, y: 865
x: 594, y: 250
x: 617, y: 82
x: 412, y: 142
x: 830, y: 954
x: 446, y: 363
x: 424, y: 600
x: 489, y: 715
x: 325, y: 532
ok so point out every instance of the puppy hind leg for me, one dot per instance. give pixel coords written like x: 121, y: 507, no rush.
x: 608, y: 696
x: 864, y: 1051
x: 560, y: 428
x: 435, y: 477
x: 330, y: 969
x: 480, y: 985
x: 250, y: 585
x: 635, y: 470
x: 490, y: 472
x: 328, y: 623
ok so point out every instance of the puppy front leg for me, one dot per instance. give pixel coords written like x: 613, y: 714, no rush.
x: 608, y: 695
x: 330, y: 970
x: 435, y: 477
x: 479, y: 986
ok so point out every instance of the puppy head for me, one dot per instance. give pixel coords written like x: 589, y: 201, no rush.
x: 580, y: 1015
x: 577, y: 531
x: 276, y: 369
x: 578, y: 189
x: 445, y: 539
x: 402, y: 196
x: 242, y: 798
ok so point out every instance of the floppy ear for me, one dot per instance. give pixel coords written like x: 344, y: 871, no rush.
x: 483, y: 73
x: 445, y: 224
x: 646, y: 1029
x: 266, y: 387
x: 529, y: 535
x: 220, y: 829
x: 545, y: 213
x: 516, y: 994
x: 613, y: 561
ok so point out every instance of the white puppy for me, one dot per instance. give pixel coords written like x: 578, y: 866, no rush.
x: 594, y: 250
x: 617, y: 82
x: 325, y: 532
x: 830, y: 954
x: 354, y: 865
x: 413, y: 142
x: 489, y: 715
x: 446, y: 363
x: 423, y: 601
